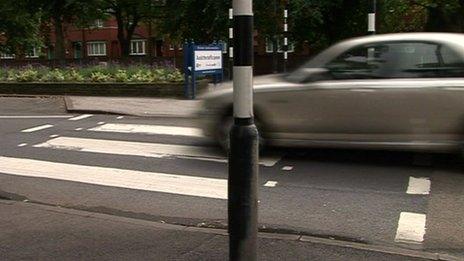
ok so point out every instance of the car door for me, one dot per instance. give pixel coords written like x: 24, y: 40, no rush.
x: 393, y: 92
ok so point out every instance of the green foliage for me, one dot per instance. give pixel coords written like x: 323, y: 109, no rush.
x: 121, y: 76
x: 26, y: 75
x: 19, y: 26
x: 55, y: 75
x: 73, y: 76
x: 99, y: 77
x: 131, y: 74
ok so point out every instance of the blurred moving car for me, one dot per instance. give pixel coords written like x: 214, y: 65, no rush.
x: 392, y: 91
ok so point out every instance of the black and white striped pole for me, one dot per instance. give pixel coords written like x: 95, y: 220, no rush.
x: 231, y: 40
x: 285, y: 36
x: 243, y: 154
x: 371, y: 16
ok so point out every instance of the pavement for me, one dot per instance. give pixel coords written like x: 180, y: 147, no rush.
x: 150, y: 107
x: 32, y: 231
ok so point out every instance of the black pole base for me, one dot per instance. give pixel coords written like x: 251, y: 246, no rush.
x: 243, y: 190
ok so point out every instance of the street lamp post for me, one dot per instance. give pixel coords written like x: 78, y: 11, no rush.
x: 243, y: 155
x: 371, y: 17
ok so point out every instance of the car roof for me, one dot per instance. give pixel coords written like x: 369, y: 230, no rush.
x: 454, y: 38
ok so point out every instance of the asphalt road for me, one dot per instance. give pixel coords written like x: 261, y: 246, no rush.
x: 160, y: 169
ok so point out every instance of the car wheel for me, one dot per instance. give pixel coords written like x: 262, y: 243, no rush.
x: 223, y: 132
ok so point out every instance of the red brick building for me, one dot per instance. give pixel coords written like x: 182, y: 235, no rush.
x: 100, y: 43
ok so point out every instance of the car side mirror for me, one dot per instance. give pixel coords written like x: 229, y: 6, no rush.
x: 316, y: 74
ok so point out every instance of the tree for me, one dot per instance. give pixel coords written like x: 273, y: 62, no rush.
x: 62, y: 12
x: 203, y: 21
x: 19, y: 27
x: 443, y: 15
x: 129, y: 14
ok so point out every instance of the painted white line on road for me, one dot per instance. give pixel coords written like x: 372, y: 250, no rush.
x: 411, y: 228
x: 80, y: 117
x: 78, y: 129
x: 154, y: 150
x: 270, y: 184
x: 418, y: 186
x: 101, y: 123
x: 36, y: 117
x: 22, y: 144
x: 287, y: 168
x: 149, y: 129
x: 54, y: 136
x: 140, y: 180
x: 38, y: 128
x: 120, y: 117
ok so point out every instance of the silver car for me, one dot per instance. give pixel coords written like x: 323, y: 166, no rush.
x: 392, y: 91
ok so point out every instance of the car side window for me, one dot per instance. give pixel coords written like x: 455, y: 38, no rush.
x: 359, y: 63
x: 397, y: 60
x: 453, y: 64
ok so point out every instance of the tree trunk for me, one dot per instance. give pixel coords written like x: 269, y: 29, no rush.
x: 60, y: 53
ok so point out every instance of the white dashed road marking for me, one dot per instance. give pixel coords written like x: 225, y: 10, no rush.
x: 101, y: 123
x: 287, y: 168
x: 149, y: 181
x: 270, y: 184
x: 120, y: 117
x: 38, y: 128
x: 78, y: 129
x: 155, y: 150
x: 54, y: 136
x: 418, y: 186
x: 22, y: 144
x: 411, y: 228
x: 81, y: 117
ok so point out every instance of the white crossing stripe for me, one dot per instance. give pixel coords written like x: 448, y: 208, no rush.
x: 81, y: 117
x: 154, y: 150
x: 270, y: 184
x: 35, y: 116
x: 418, y: 186
x: 140, y: 180
x: 149, y: 129
x: 411, y: 228
x: 38, y: 128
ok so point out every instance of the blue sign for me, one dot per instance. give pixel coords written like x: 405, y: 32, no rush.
x: 201, y: 60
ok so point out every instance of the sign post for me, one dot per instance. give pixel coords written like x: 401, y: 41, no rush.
x: 243, y: 155
x: 201, y: 60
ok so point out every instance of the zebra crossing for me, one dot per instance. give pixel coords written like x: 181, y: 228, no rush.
x: 173, y: 183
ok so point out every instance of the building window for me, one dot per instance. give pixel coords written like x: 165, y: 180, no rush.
x: 137, y: 47
x: 6, y: 56
x: 32, y: 53
x: 96, y: 49
x: 98, y: 23
x: 280, y: 46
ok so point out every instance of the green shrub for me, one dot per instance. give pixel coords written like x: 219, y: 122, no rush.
x: 73, y: 76
x: 142, y: 75
x: 137, y: 73
x: 27, y: 75
x: 121, y: 76
x: 100, y: 77
x: 54, y: 75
